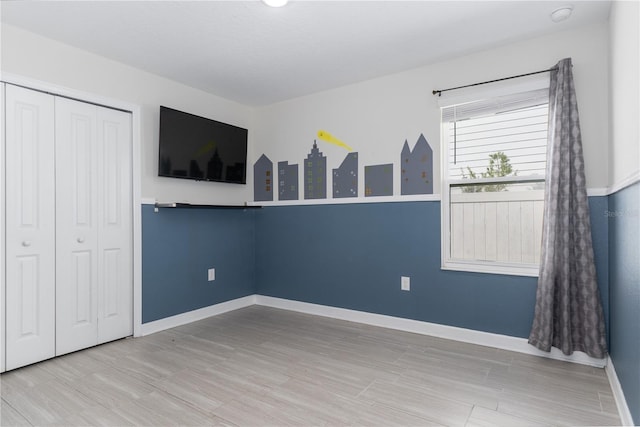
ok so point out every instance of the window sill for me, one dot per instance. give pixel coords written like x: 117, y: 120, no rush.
x: 529, y: 270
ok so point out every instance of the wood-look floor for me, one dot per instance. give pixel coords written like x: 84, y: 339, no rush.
x: 262, y: 366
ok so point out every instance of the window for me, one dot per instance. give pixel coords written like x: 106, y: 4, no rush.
x: 493, y: 183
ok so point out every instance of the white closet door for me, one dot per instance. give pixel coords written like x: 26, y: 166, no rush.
x: 94, y: 290
x: 115, y: 217
x: 76, y: 226
x: 30, y: 233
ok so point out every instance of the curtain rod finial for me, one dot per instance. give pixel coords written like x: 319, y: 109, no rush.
x: 439, y: 92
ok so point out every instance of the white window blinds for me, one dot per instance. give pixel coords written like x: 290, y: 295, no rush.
x: 515, y: 125
x: 495, y: 105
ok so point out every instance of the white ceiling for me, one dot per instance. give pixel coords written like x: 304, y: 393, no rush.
x: 257, y: 55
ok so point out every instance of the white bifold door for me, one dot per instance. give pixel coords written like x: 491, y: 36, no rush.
x: 30, y: 227
x: 93, y: 225
x: 69, y: 280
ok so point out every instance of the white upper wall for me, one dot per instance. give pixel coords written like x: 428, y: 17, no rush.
x: 375, y: 117
x: 624, y: 51
x: 34, y: 57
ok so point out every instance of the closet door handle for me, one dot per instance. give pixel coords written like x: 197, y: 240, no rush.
x: 26, y: 243
x: 80, y: 239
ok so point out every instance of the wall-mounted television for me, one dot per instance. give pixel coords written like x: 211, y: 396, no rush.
x: 194, y: 147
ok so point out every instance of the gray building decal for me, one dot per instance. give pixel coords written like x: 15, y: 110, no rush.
x: 315, y: 174
x: 263, y: 180
x: 345, y: 178
x: 378, y: 180
x: 287, y: 181
x: 416, y: 166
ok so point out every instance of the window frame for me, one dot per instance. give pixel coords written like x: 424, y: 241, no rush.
x: 478, y: 266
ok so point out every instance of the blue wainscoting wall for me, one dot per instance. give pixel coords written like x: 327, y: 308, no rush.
x: 180, y: 244
x: 600, y: 235
x: 346, y: 255
x: 352, y: 256
x: 624, y: 291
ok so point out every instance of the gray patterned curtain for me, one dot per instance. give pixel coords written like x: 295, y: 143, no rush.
x: 568, y: 312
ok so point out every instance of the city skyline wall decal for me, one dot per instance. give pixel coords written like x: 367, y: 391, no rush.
x: 416, y: 174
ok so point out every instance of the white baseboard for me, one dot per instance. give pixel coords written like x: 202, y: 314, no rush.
x: 618, y: 395
x: 195, y: 315
x: 487, y: 339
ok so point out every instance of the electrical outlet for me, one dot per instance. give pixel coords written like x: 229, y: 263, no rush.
x: 405, y: 283
x: 211, y: 274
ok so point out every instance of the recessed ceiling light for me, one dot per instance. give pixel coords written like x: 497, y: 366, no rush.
x: 561, y: 14
x: 275, y: 3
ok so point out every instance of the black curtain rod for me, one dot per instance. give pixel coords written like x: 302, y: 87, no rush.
x: 439, y: 91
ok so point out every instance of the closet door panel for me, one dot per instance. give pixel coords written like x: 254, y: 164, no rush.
x: 77, y: 185
x: 115, y: 216
x: 30, y: 227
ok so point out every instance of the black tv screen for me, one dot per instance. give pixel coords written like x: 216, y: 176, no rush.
x: 193, y: 147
